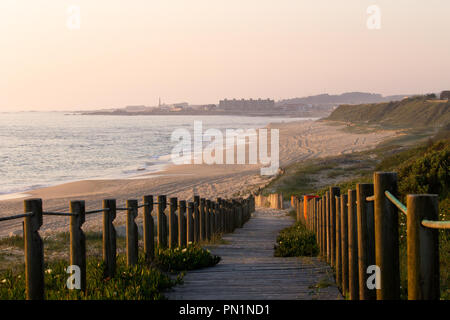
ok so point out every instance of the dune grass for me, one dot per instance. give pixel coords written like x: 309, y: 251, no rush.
x: 296, y: 241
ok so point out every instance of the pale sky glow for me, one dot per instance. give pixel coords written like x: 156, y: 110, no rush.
x: 200, y: 51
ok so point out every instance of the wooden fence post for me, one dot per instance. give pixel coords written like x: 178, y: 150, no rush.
x: 318, y: 239
x: 109, y: 237
x: 366, y: 238
x: 238, y: 206
x: 386, y: 236
x: 253, y: 206
x: 322, y: 227
x: 190, y: 224
x: 132, y: 233
x: 317, y: 219
x: 182, y: 224
x: 308, y: 214
x: 173, y: 232
x: 78, y: 240
x: 423, y: 248
x: 229, y: 217
x: 353, y: 287
x: 208, y: 219
x: 218, y: 214
x: 162, y: 224
x: 232, y: 215
x: 319, y: 224
x: 222, y: 215
x: 338, y: 249
x: 313, y: 215
x: 196, y: 219
x: 202, y: 220
x: 149, y: 225
x: 242, y: 210
x: 235, y: 214
x: 334, y: 192
x: 344, y: 243
x: 214, y: 225
x: 34, y: 250
x: 214, y: 215
x: 328, y: 225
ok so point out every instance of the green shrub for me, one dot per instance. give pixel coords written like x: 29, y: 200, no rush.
x: 190, y: 258
x: 139, y: 282
x: 296, y: 241
x: 427, y: 174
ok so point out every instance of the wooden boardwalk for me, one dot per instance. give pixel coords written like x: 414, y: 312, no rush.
x: 248, y: 270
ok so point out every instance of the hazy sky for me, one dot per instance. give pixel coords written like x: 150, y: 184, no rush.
x: 200, y: 51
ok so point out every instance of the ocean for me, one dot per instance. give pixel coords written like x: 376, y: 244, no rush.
x: 40, y: 149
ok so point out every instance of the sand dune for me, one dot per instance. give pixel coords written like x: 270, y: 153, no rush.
x: 298, y: 141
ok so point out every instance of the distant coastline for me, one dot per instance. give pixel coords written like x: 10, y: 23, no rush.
x: 297, y: 114
x: 317, y: 106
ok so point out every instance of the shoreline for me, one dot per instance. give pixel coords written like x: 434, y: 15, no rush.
x: 299, y: 141
x: 155, y: 160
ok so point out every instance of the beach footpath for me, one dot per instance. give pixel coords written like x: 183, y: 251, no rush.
x: 248, y: 269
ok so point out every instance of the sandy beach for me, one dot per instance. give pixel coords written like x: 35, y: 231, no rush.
x: 298, y: 141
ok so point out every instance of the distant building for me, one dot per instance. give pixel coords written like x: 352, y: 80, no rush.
x: 445, y: 95
x: 204, y: 107
x: 135, y: 108
x: 181, y: 105
x: 247, y: 105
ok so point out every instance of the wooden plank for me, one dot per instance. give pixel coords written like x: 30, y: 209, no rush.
x: 248, y: 269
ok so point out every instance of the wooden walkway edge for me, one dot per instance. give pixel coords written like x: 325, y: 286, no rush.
x: 249, y: 271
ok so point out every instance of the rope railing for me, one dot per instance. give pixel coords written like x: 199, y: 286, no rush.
x: 119, y: 209
x: 396, y: 202
x: 436, y: 224
x: 49, y: 213
x: 17, y: 216
x: 96, y: 211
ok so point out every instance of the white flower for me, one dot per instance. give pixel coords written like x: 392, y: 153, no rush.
x: 184, y: 250
x: 4, y: 281
x: 48, y: 271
